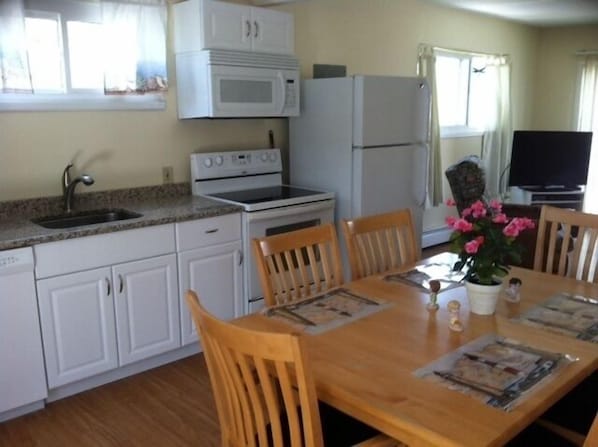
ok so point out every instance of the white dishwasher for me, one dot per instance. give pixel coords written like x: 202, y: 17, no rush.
x: 22, y: 374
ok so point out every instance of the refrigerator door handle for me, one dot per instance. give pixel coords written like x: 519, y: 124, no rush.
x: 421, y: 201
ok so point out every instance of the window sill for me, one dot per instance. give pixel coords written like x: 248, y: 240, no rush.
x: 460, y: 132
x: 11, y: 102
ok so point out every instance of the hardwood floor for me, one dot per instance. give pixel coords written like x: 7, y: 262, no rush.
x: 167, y: 407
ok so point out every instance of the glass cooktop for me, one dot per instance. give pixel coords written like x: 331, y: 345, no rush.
x: 269, y: 194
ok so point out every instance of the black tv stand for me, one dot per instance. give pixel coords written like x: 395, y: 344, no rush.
x: 552, y: 188
x: 560, y: 196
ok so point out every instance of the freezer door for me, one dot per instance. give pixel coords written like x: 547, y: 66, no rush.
x: 390, y: 110
x: 390, y: 178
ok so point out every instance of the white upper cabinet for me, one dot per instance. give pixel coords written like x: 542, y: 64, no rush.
x: 273, y: 31
x: 224, y: 25
x: 210, y: 24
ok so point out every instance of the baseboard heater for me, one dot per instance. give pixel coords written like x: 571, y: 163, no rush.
x: 436, y: 236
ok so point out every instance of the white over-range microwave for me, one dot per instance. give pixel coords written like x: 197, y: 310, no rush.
x: 236, y: 84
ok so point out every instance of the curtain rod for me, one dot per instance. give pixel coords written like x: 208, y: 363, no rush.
x: 586, y: 52
x: 468, y: 52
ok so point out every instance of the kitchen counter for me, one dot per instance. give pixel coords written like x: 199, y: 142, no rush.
x: 157, y: 204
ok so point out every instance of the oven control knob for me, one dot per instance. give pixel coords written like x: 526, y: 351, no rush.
x: 207, y: 162
x: 272, y: 157
x: 264, y: 157
x: 219, y: 160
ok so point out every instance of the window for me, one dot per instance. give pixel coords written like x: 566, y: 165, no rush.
x: 463, y: 94
x: 79, y: 54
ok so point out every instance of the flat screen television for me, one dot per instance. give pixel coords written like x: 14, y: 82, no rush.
x: 543, y: 159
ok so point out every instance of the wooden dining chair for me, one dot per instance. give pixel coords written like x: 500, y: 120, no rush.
x: 263, y: 386
x: 588, y: 440
x: 298, y: 264
x: 380, y: 242
x: 567, y: 243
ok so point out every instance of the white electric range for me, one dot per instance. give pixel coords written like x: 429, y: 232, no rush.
x: 252, y: 179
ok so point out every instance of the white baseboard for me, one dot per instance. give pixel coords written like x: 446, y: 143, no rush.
x: 122, y: 372
x: 20, y: 411
x: 436, y: 236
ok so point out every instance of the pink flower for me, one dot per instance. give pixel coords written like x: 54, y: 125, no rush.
x: 466, y: 212
x: 463, y: 225
x: 500, y: 218
x: 450, y: 202
x: 495, y: 205
x: 472, y: 246
x: 450, y: 221
x: 478, y: 209
x: 512, y: 229
x: 523, y: 222
x: 480, y: 240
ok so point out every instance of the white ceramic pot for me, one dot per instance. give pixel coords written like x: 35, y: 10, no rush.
x: 482, y: 298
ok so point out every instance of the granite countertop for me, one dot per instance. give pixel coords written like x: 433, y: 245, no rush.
x: 157, y: 204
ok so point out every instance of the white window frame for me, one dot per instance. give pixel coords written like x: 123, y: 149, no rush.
x: 85, y: 99
x: 460, y: 131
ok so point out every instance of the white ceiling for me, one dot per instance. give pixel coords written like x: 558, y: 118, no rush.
x: 533, y: 12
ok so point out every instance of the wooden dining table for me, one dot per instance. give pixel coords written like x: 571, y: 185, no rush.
x: 366, y: 368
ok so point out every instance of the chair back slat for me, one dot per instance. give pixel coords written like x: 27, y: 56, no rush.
x: 592, y: 436
x: 298, y: 264
x: 380, y: 243
x: 567, y: 243
x: 263, y: 388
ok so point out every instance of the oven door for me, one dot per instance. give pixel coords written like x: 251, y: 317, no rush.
x: 274, y: 221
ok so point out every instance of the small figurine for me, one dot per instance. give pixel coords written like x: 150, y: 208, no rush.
x: 512, y: 291
x: 434, y: 289
x: 455, y: 324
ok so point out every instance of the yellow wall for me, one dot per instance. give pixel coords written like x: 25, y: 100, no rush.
x: 123, y: 149
x: 382, y: 36
x: 556, y: 75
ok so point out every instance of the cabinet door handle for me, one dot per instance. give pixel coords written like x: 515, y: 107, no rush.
x: 108, y: 288
x: 257, y: 28
x: 240, y: 257
x: 121, y: 283
x: 213, y: 230
x: 248, y: 25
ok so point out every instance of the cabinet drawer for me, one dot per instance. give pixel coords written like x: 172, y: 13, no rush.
x: 209, y: 231
x: 73, y: 255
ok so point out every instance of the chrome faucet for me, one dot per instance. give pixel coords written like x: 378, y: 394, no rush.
x: 68, y: 186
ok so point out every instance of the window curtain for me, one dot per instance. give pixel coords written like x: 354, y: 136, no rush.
x: 14, y: 66
x: 135, y: 28
x: 134, y: 32
x: 497, y: 137
x: 426, y: 68
x: 587, y: 120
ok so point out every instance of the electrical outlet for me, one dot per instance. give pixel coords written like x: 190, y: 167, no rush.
x: 166, y: 174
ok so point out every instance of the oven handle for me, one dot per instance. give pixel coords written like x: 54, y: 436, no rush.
x: 290, y: 210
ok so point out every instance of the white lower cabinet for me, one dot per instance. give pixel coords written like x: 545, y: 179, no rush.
x: 99, y: 319
x: 215, y: 274
x: 77, y: 321
x: 210, y: 263
x: 112, y: 300
x: 147, y: 308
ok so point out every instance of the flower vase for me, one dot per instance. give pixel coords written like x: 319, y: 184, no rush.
x: 482, y: 298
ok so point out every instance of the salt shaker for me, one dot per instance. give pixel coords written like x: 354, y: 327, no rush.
x: 434, y: 289
x: 513, y: 290
x: 455, y: 324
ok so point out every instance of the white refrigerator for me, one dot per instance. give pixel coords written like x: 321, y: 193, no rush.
x: 366, y: 139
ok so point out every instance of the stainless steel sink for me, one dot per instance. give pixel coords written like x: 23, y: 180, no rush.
x: 81, y: 218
